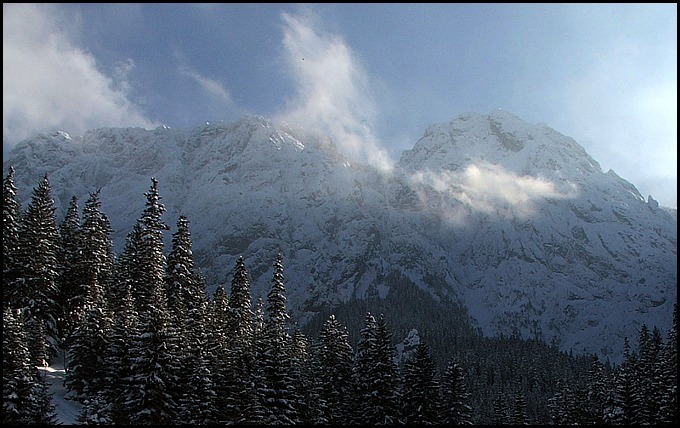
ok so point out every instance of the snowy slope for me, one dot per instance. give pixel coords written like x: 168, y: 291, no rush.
x: 546, y: 242
x: 66, y: 410
x: 514, y: 220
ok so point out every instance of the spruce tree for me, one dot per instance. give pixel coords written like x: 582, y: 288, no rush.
x: 519, y: 410
x: 95, y: 411
x: 237, y: 395
x: 11, y: 222
x: 188, y: 305
x: 118, y: 359
x: 563, y: 405
x: 97, y: 259
x: 68, y: 260
x: 37, y: 283
x: 45, y: 411
x: 85, y: 368
x: 240, y: 315
x: 306, y: 386
x: 642, y: 385
x: 376, y: 381
x: 420, y: 387
x: 596, y: 400
x: 180, y: 279
x: 218, y: 350
x: 621, y: 409
x: 274, y: 362
x: 362, y: 366
x: 500, y: 409
x: 18, y: 381
x: 218, y: 320
x: 149, y: 263
x: 389, y: 382
x: 25, y: 397
x: 197, y: 401
x: 657, y: 373
x: 668, y: 405
x: 89, y: 308
x: 335, y: 371
x: 454, y: 396
x: 258, y: 320
x: 155, y: 351
x: 198, y: 396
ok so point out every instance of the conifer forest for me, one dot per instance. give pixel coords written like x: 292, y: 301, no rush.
x: 143, y: 342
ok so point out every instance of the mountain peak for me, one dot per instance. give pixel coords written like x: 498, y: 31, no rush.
x: 549, y: 244
x: 503, y: 139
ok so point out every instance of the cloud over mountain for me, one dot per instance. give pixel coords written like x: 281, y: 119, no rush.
x: 50, y: 82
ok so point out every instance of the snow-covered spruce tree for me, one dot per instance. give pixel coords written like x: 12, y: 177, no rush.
x: 240, y: 314
x: 250, y: 398
x: 89, y: 342
x: 309, y: 403
x: 90, y: 311
x: 335, y: 355
x: 197, y: 400
x: 376, y: 378
x: 118, y: 359
x: 274, y: 363
x: 598, y: 387
x: 187, y: 305
x: 657, y: 373
x: 562, y: 405
x: 389, y: 383
x: 455, y: 409
x: 92, y: 276
x: 25, y: 400
x: 126, y: 276
x: 180, y: 281
x: 668, y: 406
x: 519, y: 409
x: 17, y: 371
x: 68, y: 259
x: 612, y: 411
x: 124, y: 320
x: 148, y: 263
x: 420, y: 386
x: 154, y: 352
x: 37, y: 281
x: 620, y: 406
x: 99, y: 319
x: 258, y: 320
x: 237, y: 400
x: 218, y: 332
x: 643, y: 392
x: 97, y: 258
x: 11, y: 221
x: 500, y: 409
x: 218, y: 328
x: 362, y: 366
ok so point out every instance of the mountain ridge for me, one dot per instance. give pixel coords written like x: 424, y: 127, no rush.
x: 485, y: 210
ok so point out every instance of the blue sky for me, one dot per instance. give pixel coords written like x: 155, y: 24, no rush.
x: 371, y: 75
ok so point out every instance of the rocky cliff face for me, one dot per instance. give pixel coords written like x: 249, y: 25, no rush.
x: 514, y: 221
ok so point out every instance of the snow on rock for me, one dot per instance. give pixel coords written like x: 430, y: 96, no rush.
x: 514, y: 220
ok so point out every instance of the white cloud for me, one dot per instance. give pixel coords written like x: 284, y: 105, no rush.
x: 332, y: 90
x: 212, y: 87
x: 50, y: 83
x: 488, y: 189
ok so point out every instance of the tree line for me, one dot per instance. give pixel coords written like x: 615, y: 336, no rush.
x: 145, y: 344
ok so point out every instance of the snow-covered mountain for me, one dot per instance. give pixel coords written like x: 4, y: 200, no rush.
x: 514, y: 220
